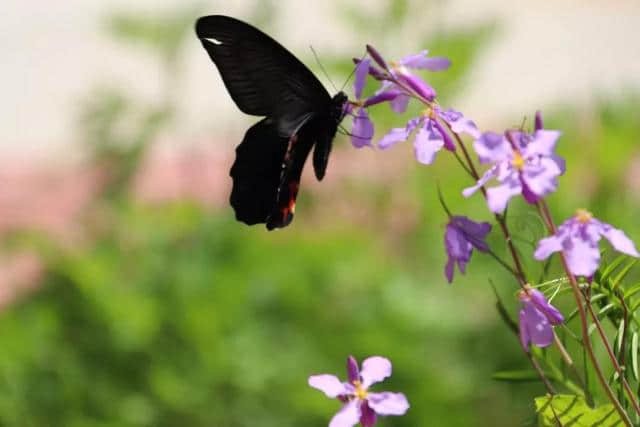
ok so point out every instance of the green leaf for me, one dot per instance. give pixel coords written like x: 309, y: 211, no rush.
x: 524, y: 375
x: 621, y: 275
x: 632, y: 291
x: 605, y: 309
x: 619, y: 336
x: 611, y: 267
x: 634, y: 354
x: 574, y: 411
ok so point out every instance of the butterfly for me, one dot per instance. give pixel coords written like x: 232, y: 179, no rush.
x: 264, y: 79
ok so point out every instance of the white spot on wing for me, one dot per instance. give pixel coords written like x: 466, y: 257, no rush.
x: 214, y: 41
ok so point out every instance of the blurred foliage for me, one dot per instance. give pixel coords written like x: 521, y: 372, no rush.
x: 174, y: 315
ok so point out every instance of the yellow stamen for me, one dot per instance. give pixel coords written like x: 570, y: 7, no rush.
x: 361, y: 393
x: 518, y: 161
x: 523, y: 294
x: 583, y: 215
x: 427, y: 112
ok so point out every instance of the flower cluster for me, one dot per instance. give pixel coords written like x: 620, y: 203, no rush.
x: 524, y: 163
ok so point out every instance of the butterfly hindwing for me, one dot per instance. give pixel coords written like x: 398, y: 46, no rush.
x: 266, y: 174
x: 256, y: 172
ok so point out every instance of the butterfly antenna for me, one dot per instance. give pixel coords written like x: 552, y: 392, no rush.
x: 322, y: 68
x: 354, y: 70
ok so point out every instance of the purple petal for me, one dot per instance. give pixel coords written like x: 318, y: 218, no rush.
x: 348, y: 416
x: 448, y: 269
x: 394, y: 136
x: 543, y: 143
x: 538, y: 122
x: 547, y: 246
x: 620, y: 241
x: 498, y: 197
x: 374, y: 369
x: 525, y: 339
x: 362, y: 70
x: 387, y: 403
x: 377, y: 57
x: 368, y: 416
x: 373, y: 71
x: 418, y: 85
x: 492, y: 147
x: 421, y: 61
x: 561, y: 162
x: 583, y: 256
x: 458, y: 249
x: 538, y: 326
x: 459, y: 124
x: 328, y: 384
x: 553, y: 314
x: 435, y: 63
x: 389, y: 95
x: 482, y: 181
x: 426, y: 144
x: 352, y: 369
x: 529, y: 196
x: 474, y: 232
x: 400, y: 103
x: 448, y: 142
x: 415, y: 59
x: 361, y: 129
x: 541, y: 178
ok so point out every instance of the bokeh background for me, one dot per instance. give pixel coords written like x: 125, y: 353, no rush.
x: 131, y: 297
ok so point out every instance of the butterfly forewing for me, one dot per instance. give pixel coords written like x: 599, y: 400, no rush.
x: 263, y: 78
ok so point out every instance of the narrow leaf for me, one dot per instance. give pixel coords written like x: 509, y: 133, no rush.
x: 606, y: 272
x: 634, y: 355
x: 632, y: 291
x: 517, y: 376
x: 621, y: 275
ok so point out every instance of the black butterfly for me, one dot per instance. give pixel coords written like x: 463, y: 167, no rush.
x: 264, y: 79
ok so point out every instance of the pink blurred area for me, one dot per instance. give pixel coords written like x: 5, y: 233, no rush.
x: 199, y: 174
x: 38, y: 196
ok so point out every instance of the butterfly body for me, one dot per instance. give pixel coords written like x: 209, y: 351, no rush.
x: 264, y: 79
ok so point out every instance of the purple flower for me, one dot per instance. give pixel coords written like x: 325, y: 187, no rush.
x: 461, y: 236
x: 399, y: 79
x: 431, y: 136
x: 361, y: 405
x: 578, y: 239
x: 536, y: 318
x: 523, y: 164
x: 362, y: 129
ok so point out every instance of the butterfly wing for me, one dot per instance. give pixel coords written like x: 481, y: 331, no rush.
x: 266, y: 174
x: 262, y: 77
x: 256, y: 172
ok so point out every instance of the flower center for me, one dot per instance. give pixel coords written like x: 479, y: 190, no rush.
x: 518, y: 161
x: 523, y: 295
x: 427, y: 112
x: 583, y: 216
x: 361, y: 392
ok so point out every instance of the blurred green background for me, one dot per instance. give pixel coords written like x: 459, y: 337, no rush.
x: 137, y: 310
